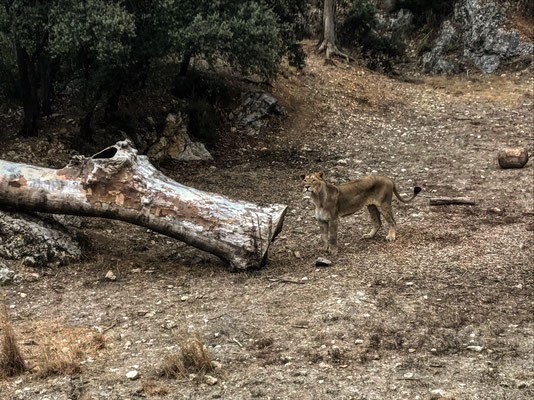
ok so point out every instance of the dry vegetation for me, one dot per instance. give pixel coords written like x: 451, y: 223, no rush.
x: 11, y: 360
x: 192, y: 358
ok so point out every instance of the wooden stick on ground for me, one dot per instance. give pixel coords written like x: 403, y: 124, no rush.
x: 441, y: 201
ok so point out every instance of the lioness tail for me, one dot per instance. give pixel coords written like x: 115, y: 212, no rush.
x: 416, y: 190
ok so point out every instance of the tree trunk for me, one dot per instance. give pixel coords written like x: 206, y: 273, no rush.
x: 184, y: 66
x: 30, y: 102
x: 119, y: 184
x: 46, y: 84
x: 328, y: 44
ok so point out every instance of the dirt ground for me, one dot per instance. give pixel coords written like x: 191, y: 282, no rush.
x: 445, y: 311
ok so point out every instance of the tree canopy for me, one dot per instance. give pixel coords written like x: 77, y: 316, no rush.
x: 98, y: 48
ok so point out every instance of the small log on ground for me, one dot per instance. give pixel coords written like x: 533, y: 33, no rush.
x: 117, y: 183
x: 442, y: 201
x: 515, y: 157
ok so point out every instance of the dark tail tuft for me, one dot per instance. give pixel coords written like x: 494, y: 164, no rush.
x: 416, y: 190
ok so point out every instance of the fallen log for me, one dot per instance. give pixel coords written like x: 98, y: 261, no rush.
x: 117, y: 183
x: 442, y: 201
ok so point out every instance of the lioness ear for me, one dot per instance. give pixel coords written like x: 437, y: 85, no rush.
x: 302, y: 177
x: 321, y: 174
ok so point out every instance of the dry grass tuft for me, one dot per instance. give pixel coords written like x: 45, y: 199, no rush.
x: 193, y: 357
x: 11, y: 360
x: 150, y: 388
x: 61, y: 349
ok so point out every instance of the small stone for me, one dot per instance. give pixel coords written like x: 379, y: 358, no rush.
x: 142, y: 312
x: 297, y: 254
x: 323, y: 262
x: 211, y: 380
x: 411, y: 350
x: 408, y: 375
x: 29, y: 261
x: 110, y: 276
x: 358, y: 341
x: 183, y: 298
x: 7, y: 276
x: 132, y: 375
x: 475, y: 348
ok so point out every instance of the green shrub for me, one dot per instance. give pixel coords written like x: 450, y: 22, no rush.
x: 426, y: 11
x: 362, y: 29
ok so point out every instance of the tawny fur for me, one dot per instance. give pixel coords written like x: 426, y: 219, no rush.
x: 332, y: 202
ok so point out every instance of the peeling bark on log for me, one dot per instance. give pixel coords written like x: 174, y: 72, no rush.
x: 442, y: 201
x: 119, y: 184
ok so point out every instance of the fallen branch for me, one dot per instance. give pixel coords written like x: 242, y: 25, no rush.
x: 441, y: 201
x: 117, y: 183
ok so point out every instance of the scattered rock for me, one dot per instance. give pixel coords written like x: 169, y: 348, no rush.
x: 176, y: 144
x: 475, y: 348
x: 210, y: 380
x: 255, y: 109
x: 515, y: 157
x: 7, y: 276
x: 110, y: 276
x: 132, y: 375
x: 323, y: 262
x: 35, y: 241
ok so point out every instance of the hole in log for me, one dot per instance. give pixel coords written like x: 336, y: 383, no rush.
x: 106, y: 153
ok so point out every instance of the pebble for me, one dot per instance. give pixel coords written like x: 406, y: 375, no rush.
x: 132, y: 375
x: 475, y: 348
x: 211, y: 380
x: 323, y: 262
x: 110, y: 276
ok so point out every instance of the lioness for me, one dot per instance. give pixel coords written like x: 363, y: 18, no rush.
x: 332, y: 202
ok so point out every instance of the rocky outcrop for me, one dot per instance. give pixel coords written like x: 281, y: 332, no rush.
x: 475, y: 34
x: 175, y: 143
x: 36, y: 242
x: 254, y: 111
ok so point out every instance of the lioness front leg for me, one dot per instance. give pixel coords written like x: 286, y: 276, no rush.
x: 332, y: 236
x: 324, y: 233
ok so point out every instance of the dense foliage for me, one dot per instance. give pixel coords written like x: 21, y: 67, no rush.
x: 362, y: 29
x: 98, y: 49
x: 427, y: 10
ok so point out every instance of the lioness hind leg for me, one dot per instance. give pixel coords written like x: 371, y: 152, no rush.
x: 387, y: 212
x: 324, y: 233
x: 375, y: 218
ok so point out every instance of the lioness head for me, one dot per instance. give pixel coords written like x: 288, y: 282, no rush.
x: 313, y: 182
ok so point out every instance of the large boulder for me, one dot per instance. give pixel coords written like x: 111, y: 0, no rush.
x: 475, y: 33
x: 36, y: 242
x: 254, y: 111
x: 175, y: 143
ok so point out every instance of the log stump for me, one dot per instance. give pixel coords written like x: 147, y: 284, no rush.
x: 514, y: 157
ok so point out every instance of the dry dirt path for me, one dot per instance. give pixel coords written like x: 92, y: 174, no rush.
x: 446, y: 310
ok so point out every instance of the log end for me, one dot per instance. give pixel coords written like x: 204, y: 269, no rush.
x: 515, y: 157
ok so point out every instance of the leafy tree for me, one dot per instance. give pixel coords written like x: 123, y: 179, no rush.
x: 93, y: 39
x: 100, y: 47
